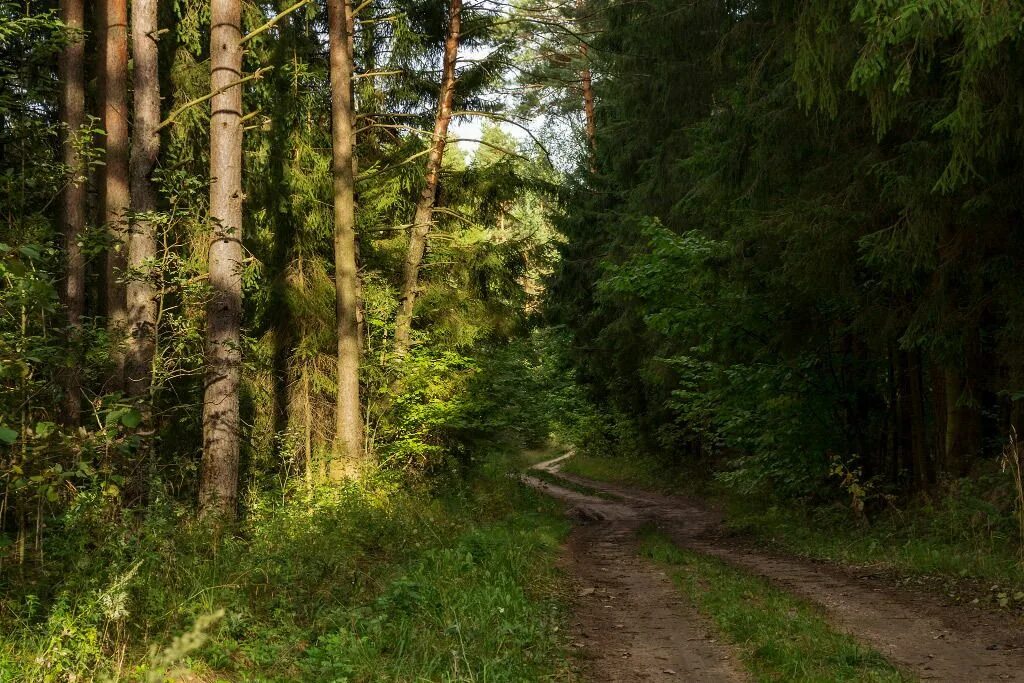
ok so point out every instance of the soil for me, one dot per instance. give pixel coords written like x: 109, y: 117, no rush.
x: 632, y: 624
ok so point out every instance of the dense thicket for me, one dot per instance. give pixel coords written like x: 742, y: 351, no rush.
x: 801, y: 249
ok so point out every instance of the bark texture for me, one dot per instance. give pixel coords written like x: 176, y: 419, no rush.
x: 72, y: 78
x: 918, y: 424
x: 218, y: 489
x: 348, y: 440
x: 116, y: 198
x: 963, y: 421
x: 587, y: 82
x: 425, y: 204
x: 141, y: 294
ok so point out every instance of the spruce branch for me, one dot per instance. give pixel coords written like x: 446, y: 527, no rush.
x: 210, y: 95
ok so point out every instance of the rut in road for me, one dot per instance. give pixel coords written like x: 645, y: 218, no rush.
x: 631, y: 623
x: 915, y: 631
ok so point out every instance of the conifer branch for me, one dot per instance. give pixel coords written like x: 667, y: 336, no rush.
x: 210, y: 95
x: 273, y: 22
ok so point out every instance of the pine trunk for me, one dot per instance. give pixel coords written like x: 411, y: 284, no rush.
x: 72, y: 79
x: 116, y: 198
x: 348, y: 440
x: 963, y: 421
x: 218, y: 489
x: 918, y: 425
x: 425, y: 204
x: 586, y: 78
x: 141, y: 295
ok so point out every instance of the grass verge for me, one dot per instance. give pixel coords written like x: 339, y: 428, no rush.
x: 645, y: 473
x: 779, y: 637
x: 376, y: 581
x: 960, y: 543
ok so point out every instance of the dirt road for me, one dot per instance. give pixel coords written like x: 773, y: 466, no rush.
x: 633, y: 625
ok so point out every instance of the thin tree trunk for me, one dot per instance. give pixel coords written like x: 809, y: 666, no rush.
x: 218, y: 489
x: 141, y: 296
x: 586, y: 78
x: 425, y: 204
x: 963, y: 417
x: 348, y: 439
x: 937, y: 384
x: 116, y: 198
x: 918, y: 430
x: 72, y: 78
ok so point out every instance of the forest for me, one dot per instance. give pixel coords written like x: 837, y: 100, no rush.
x: 348, y: 340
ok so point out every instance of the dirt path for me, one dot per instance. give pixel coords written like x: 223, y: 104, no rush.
x: 915, y: 631
x: 631, y: 623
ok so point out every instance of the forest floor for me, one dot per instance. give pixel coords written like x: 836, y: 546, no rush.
x: 632, y: 624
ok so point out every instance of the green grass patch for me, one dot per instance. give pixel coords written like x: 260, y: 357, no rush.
x: 958, y: 545
x: 961, y: 541
x: 779, y: 637
x: 376, y: 581
x: 645, y: 473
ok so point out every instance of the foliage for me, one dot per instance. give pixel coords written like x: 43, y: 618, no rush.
x: 376, y: 581
x: 801, y: 241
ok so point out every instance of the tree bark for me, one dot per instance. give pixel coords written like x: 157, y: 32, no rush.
x: 218, y: 489
x: 425, y: 204
x: 586, y: 78
x: 963, y: 420
x: 141, y: 295
x: 72, y: 78
x: 348, y: 439
x: 918, y: 428
x: 116, y: 198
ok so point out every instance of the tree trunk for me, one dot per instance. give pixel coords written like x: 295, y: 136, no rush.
x: 218, y: 489
x: 348, y: 439
x: 425, y: 204
x: 115, y: 195
x: 918, y: 428
x: 586, y: 78
x: 72, y: 79
x: 963, y: 420
x: 937, y: 384
x: 141, y: 297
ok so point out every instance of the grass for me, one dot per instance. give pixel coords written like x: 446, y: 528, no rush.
x: 953, y: 547
x: 779, y: 637
x: 644, y: 473
x: 961, y: 542
x: 380, y: 581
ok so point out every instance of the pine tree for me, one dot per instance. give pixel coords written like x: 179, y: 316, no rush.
x: 423, y: 216
x: 348, y: 430
x: 72, y: 78
x: 218, y: 488
x: 116, y: 196
x: 141, y: 293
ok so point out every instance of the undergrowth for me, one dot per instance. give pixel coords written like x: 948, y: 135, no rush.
x: 961, y: 540
x: 380, y: 581
x: 965, y: 539
x: 779, y: 637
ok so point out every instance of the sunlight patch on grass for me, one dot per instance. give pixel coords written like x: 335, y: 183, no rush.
x: 779, y: 637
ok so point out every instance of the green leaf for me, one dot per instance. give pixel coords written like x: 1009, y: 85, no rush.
x: 30, y: 253
x: 131, y: 418
x: 44, y: 429
x: 7, y: 435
